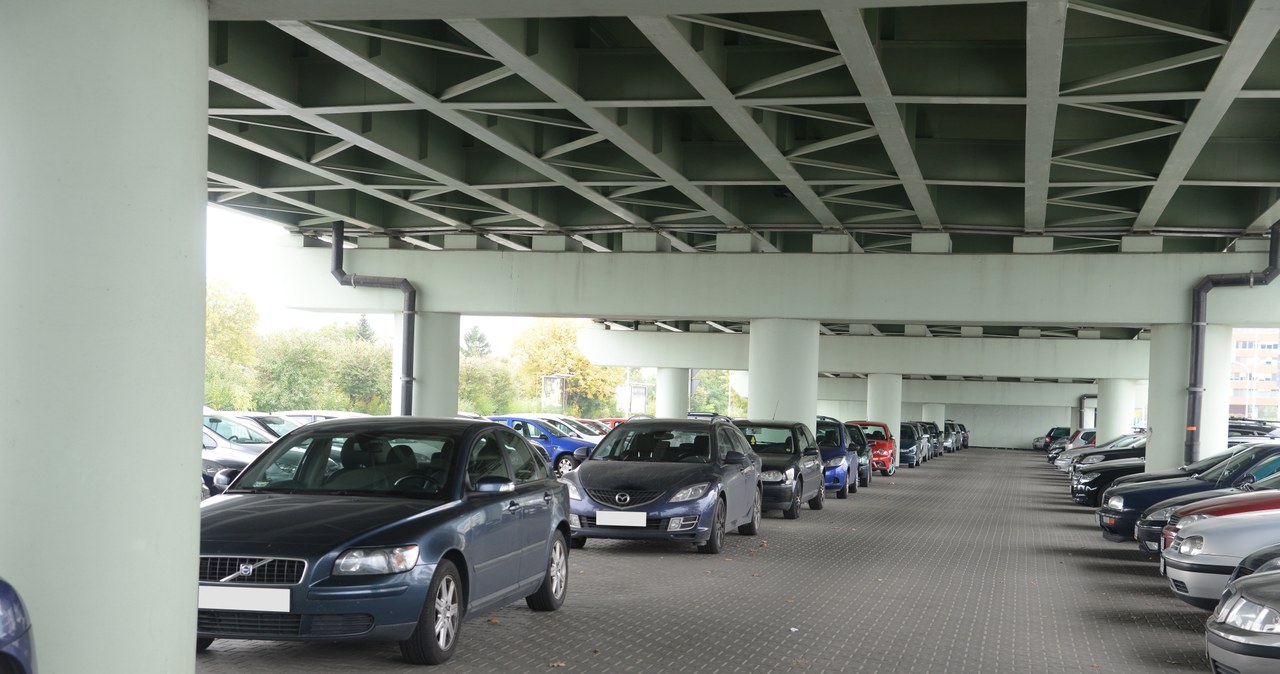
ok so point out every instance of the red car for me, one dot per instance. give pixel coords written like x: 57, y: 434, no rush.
x: 883, y: 445
x: 1218, y: 507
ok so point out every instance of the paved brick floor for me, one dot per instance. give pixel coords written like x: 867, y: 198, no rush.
x: 975, y: 562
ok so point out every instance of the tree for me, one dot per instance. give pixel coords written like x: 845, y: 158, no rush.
x: 230, y: 348
x: 474, y: 343
x: 293, y: 373
x: 364, y: 331
x: 550, y: 347
x: 711, y: 394
x: 485, y: 385
x: 363, y: 375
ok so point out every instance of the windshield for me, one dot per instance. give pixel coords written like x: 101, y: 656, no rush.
x: 235, y: 431
x: 656, y: 445
x: 873, y: 432
x: 1244, y: 458
x: 369, y: 463
x: 768, y: 440
x: 828, y: 434
x: 280, y: 425
x: 1208, y: 462
x: 579, y: 427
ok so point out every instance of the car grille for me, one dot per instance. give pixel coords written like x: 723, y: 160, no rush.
x: 1178, y: 585
x: 1219, y: 668
x: 254, y: 623
x: 651, y: 525
x: 273, y: 572
x: 260, y: 624
x: 609, y: 496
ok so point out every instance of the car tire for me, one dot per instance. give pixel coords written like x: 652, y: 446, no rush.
x: 793, y: 510
x: 819, y: 500
x: 843, y: 492
x: 203, y: 644
x: 578, y: 543
x: 715, y: 544
x: 851, y: 480
x: 864, y: 481
x: 888, y: 472
x: 753, y: 527
x: 564, y: 464
x: 550, y: 594
x: 435, y: 638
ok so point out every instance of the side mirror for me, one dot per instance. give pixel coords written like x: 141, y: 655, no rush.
x: 580, y: 454
x: 812, y: 451
x: 224, y: 477
x: 491, y: 484
x: 736, y: 458
x: 1245, y: 482
x: 543, y: 436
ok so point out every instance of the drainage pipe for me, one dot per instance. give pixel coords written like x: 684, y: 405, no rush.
x: 410, y: 312
x: 1199, y: 324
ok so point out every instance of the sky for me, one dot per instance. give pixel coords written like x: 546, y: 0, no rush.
x: 238, y: 254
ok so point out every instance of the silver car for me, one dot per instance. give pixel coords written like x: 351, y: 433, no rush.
x: 1243, y: 634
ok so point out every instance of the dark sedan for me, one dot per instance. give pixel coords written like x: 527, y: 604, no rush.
x: 1150, y: 528
x: 1088, y: 482
x: 667, y: 479
x: 791, y: 470
x: 1123, y: 504
x: 382, y: 528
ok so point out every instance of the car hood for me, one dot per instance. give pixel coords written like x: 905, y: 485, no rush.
x: 1114, y: 464
x: 300, y: 522
x: 778, y: 461
x: 1144, y: 494
x: 642, y: 475
x: 1236, y: 502
x: 1188, y: 498
x: 829, y: 453
x: 1236, y: 535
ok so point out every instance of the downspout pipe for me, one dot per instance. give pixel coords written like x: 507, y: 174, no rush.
x: 410, y: 312
x: 1199, y: 326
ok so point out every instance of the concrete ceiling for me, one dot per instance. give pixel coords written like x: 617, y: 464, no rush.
x: 1082, y: 121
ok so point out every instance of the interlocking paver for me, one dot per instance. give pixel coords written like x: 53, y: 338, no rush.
x: 975, y: 563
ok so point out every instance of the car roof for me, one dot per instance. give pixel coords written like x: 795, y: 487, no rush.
x: 407, y: 424
x: 767, y: 423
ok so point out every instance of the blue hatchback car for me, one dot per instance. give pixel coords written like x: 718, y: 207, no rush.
x: 559, y: 447
x: 17, y: 650
x: 382, y: 529
x: 839, y: 457
x: 669, y: 479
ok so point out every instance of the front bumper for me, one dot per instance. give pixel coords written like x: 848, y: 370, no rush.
x: 370, y: 608
x: 1242, y: 652
x: 1149, y: 535
x: 1198, y: 580
x: 835, y: 477
x: 1085, y: 493
x: 658, y: 516
x: 1117, y: 525
x: 778, y: 495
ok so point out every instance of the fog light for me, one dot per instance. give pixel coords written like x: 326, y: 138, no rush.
x: 682, y: 523
x: 575, y: 522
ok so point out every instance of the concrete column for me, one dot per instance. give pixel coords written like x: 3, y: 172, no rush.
x: 102, y: 284
x: 935, y: 412
x: 884, y: 401
x: 1167, y: 394
x: 782, y: 360
x: 673, y: 392
x: 1115, y: 408
x: 435, y: 366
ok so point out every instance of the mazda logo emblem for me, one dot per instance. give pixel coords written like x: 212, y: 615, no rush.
x: 246, y: 569
x: 622, y: 498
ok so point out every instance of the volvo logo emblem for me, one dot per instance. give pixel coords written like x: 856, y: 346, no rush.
x: 622, y: 498
x: 246, y: 569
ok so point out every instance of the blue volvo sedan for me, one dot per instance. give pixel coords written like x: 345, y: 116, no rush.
x: 382, y: 528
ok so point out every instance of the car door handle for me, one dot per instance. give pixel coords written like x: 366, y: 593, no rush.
x: 547, y: 497
x: 512, y: 507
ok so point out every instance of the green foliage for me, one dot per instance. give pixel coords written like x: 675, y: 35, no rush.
x: 711, y: 394
x: 293, y: 373
x: 364, y: 331
x: 230, y: 347
x: 485, y: 385
x: 227, y: 385
x: 363, y: 375
x: 475, y: 344
x: 550, y: 347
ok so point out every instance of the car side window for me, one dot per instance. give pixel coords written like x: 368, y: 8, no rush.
x: 525, y: 465
x: 740, y: 443
x: 1265, y: 468
x: 806, y: 438
x: 488, y: 459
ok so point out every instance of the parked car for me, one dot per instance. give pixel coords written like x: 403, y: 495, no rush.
x: 1261, y: 560
x: 558, y: 444
x: 239, y: 431
x: 840, y: 458
x: 595, y: 426
x: 1151, y: 525
x: 1266, y: 497
x: 1088, y: 483
x: 791, y: 465
x: 933, y: 437
x: 964, y: 433
x: 565, y: 424
x: 911, y: 448
x: 1194, y: 468
x: 884, y: 447
x: 855, y: 444
x: 17, y: 646
x: 423, y: 523
x: 1123, y: 447
x: 218, y: 453
x: 1240, y: 635
x: 1123, y: 504
x: 684, y: 480
x: 954, y: 439
x: 272, y: 423
x: 1204, y: 553
x: 1043, y: 441
x: 309, y: 416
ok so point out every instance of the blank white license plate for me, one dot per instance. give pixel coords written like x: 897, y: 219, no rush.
x: 270, y: 599
x: 615, y: 518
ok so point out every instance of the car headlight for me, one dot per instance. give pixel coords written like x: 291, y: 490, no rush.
x: 834, y: 463
x: 1092, y: 459
x: 1272, y: 565
x: 1193, y: 518
x: 691, y: 492
x: 1253, y: 617
x: 372, y: 561
x: 771, y: 476
x: 1191, y: 545
x: 1090, y: 477
x: 1161, y: 514
x: 211, y: 468
x: 1116, y: 503
x: 574, y: 494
